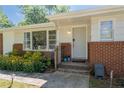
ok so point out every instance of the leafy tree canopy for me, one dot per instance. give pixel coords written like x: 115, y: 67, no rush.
x: 4, y: 21
x: 37, y: 14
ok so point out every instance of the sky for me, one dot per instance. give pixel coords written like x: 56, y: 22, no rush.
x: 14, y: 15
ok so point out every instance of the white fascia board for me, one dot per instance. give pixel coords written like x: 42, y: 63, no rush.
x: 89, y: 12
x: 42, y: 25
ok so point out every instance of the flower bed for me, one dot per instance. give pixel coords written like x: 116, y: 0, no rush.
x: 29, y: 62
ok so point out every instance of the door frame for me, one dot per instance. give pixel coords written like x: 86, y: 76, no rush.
x: 76, y: 26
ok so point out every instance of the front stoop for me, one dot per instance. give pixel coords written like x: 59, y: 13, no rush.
x: 73, y: 67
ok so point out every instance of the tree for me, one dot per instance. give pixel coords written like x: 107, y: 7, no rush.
x: 33, y: 15
x: 4, y: 21
x: 50, y: 9
x: 54, y: 9
x: 37, y: 14
x: 61, y: 9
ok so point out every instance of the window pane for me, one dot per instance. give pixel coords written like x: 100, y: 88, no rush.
x: 106, y: 25
x: 52, y: 42
x: 39, y: 40
x: 106, y: 30
x: 27, y: 40
x: 52, y: 39
x: 52, y: 46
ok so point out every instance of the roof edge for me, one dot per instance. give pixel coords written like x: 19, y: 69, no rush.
x: 85, y: 12
x: 44, y: 25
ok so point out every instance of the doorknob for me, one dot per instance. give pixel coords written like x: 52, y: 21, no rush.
x: 73, y: 42
x: 73, y: 39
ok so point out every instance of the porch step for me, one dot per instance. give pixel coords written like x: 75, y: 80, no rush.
x: 85, y: 72
x: 79, y: 60
x: 73, y: 67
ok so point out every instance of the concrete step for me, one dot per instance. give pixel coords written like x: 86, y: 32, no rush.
x: 72, y: 65
x: 79, y: 60
x: 85, y: 72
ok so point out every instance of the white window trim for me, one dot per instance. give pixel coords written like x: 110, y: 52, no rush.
x: 113, y: 25
x: 24, y: 42
x: 47, y: 47
x: 48, y: 39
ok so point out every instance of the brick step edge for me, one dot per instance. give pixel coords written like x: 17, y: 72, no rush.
x: 74, y: 71
x: 76, y: 65
x: 73, y: 67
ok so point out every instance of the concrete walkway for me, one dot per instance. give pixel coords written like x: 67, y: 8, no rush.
x: 49, y: 80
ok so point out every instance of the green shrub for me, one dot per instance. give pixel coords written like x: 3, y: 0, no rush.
x: 15, y: 53
x: 40, y: 63
x: 28, y: 66
x: 16, y: 63
x: 28, y: 55
x: 36, y: 56
x: 29, y: 62
x: 3, y: 62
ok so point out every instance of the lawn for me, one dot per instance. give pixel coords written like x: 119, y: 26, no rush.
x: 6, y: 84
x: 95, y: 83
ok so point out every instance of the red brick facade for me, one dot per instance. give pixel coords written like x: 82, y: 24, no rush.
x: 1, y: 43
x: 18, y: 47
x: 111, y: 54
x: 65, y: 49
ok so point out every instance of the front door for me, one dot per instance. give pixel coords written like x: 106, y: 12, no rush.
x: 79, y: 43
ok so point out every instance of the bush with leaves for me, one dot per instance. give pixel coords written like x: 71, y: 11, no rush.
x: 29, y: 62
x: 3, y: 62
x: 40, y: 63
x: 28, y: 66
x: 16, y: 63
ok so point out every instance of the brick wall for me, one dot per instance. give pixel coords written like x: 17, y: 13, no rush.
x: 18, y: 46
x: 111, y: 54
x: 65, y: 50
x: 1, y: 43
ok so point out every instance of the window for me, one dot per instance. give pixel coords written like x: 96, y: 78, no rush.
x: 27, y: 40
x: 106, y: 30
x: 39, y: 40
x: 52, y: 39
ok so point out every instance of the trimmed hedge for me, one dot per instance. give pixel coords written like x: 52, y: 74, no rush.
x: 29, y: 62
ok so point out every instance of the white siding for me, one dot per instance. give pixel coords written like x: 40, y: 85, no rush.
x: 8, y: 41
x: 64, y: 37
x: 118, y: 27
x: 19, y: 37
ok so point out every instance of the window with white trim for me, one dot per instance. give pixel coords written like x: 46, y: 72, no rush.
x: 52, y: 39
x: 39, y: 40
x: 27, y: 40
x: 106, y: 30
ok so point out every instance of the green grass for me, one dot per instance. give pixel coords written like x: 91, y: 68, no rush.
x: 95, y: 83
x: 6, y: 84
x: 105, y: 83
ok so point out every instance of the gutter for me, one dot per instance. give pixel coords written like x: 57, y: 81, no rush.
x: 84, y: 13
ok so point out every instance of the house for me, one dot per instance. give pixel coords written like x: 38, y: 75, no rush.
x: 96, y: 35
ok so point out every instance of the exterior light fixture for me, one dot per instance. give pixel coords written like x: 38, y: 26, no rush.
x: 69, y: 32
